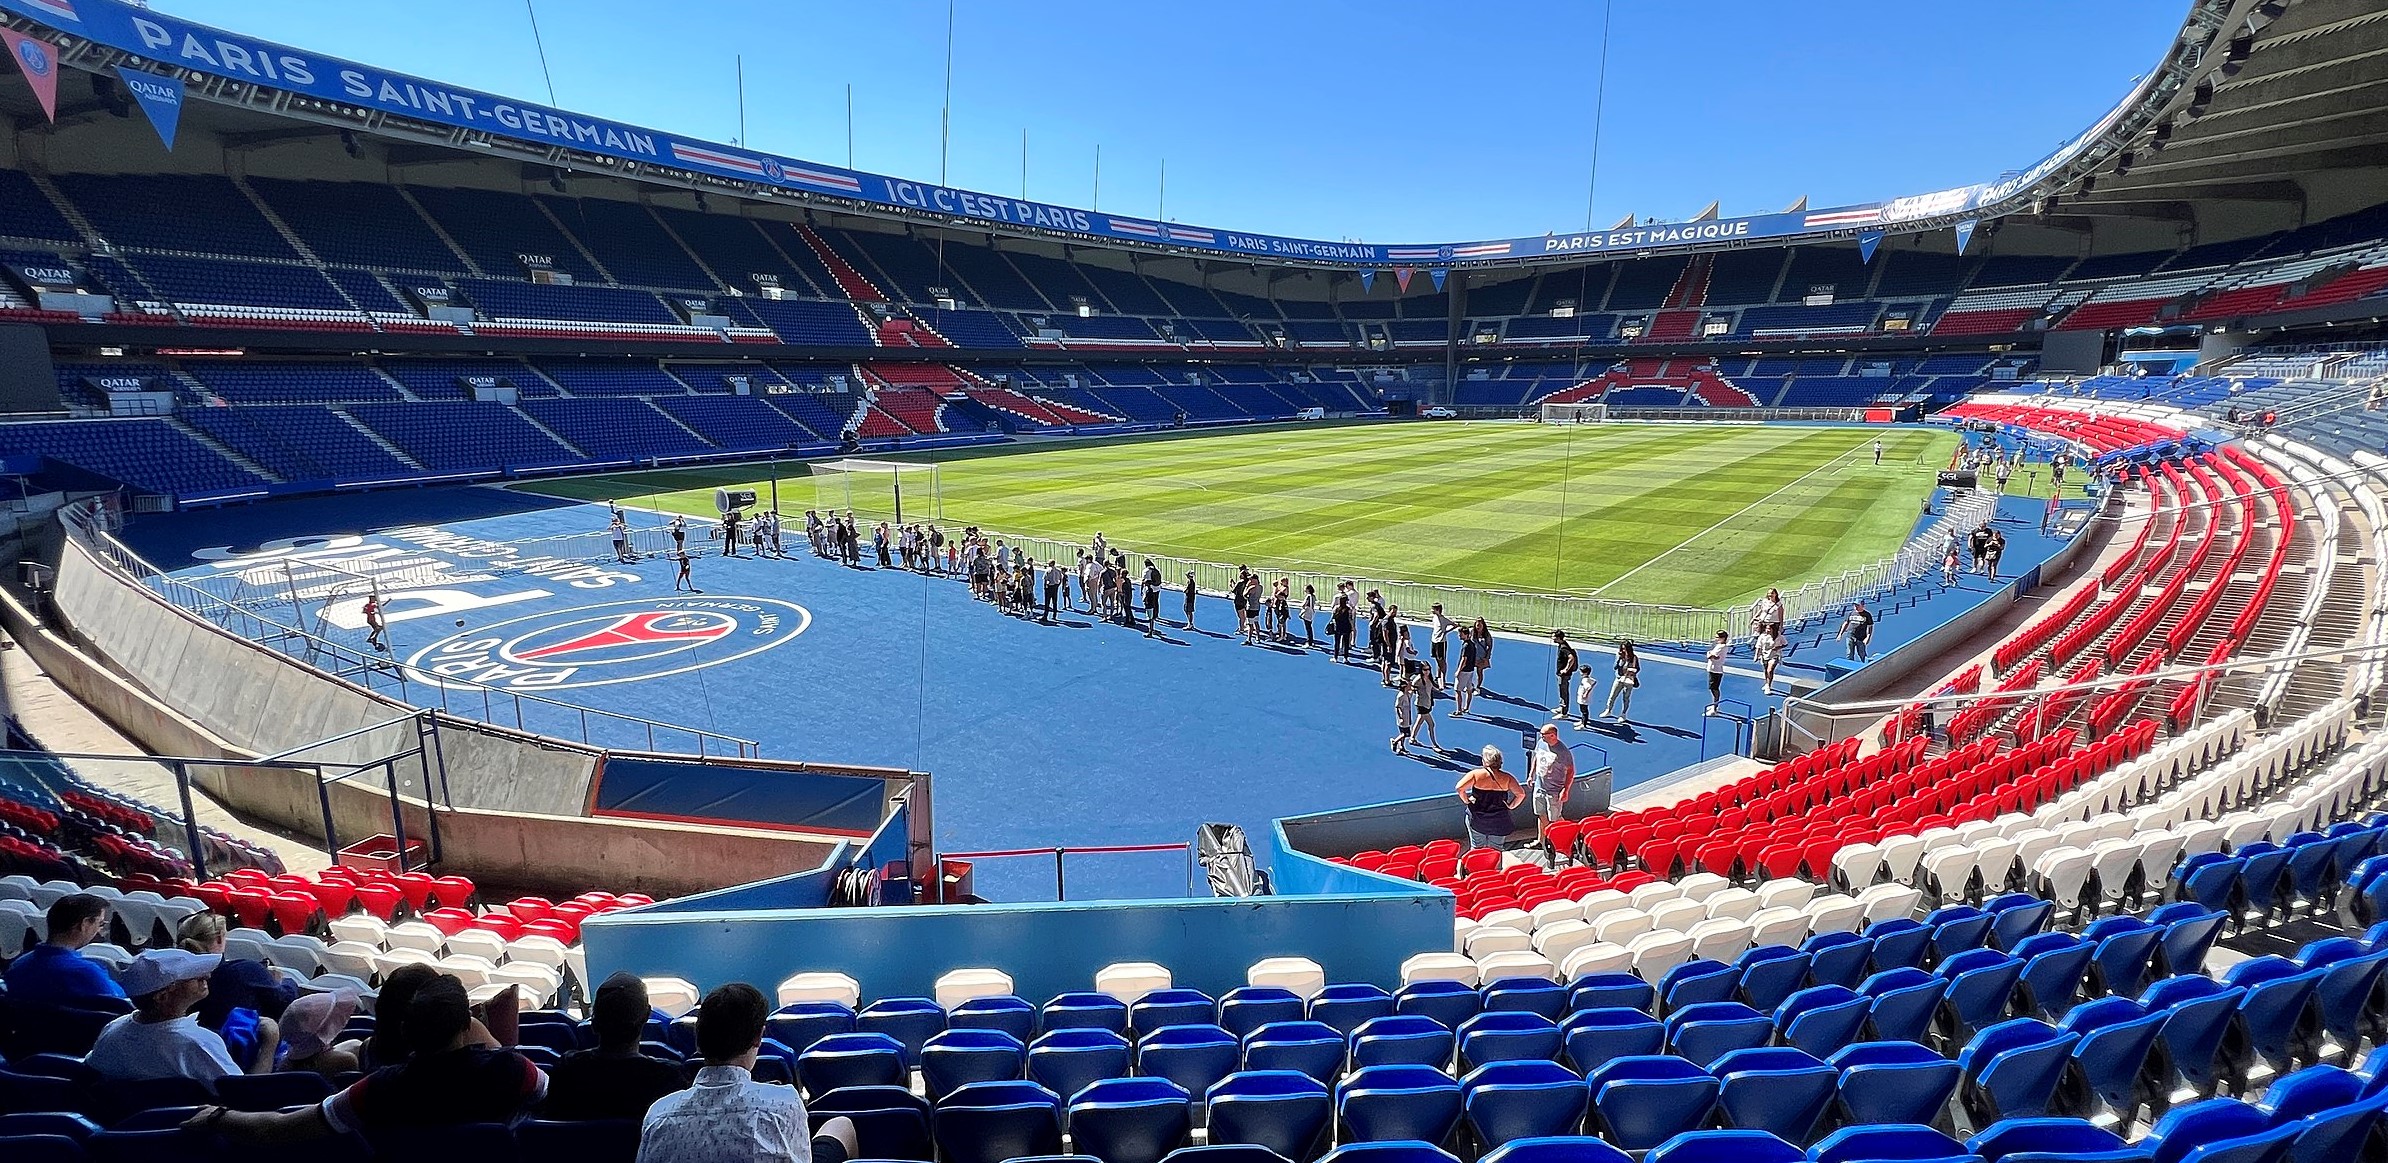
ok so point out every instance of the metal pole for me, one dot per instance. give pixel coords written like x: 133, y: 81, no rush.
x: 849, y: 125
x: 1161, y: 211
x: 397, y: 816
x: 1060, y: 890
x: 741, y: 59
x: 331, y: 838
x: 190, y: 821
x: 1098, y: 185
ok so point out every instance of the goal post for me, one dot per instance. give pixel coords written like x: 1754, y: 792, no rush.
x: 894, y: 490
x: 1575, y: 413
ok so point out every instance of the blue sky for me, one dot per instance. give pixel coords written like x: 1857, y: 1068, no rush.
x: 1381, y: 120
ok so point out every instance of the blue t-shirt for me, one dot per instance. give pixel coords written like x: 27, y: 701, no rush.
x: 53, y: 975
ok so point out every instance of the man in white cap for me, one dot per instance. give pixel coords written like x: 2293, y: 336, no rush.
x: 162, y: 1038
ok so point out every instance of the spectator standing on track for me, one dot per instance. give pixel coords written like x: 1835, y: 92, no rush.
x: 1484, y: 647
x: 1769, y: 648
x: 1996, y: 549
x: 1586, y: 687
x: 1235, y: 602
x: 377, y: 626
x: 1948, y: 562
x: 1553, y: 769
x: 621, y: 531
x: 1858, y: 630
x: 1281, y: 608
x: 1979, y: 544
x: 937, y: 553
x: 1152, y: 598
x: 679, y: 528
x: 729, y: 533
x: 1055, y: 578
x: 1405, y: 714
x: 1309, y: 615
x: 2005, y: 468
x: 1252, y: 603
x: 1717, y: 651
x: 1566, y: 651
x: 758, y: 533
x: 1422, y: 692
x: 1464, y: 684
x: 1626, y: 676
x: 1767, y: 612
x: 1339, y: 621
x: 1190, y: 591
x: 1491, y: 795
x: 1438, y: 645
x: 879, y: 544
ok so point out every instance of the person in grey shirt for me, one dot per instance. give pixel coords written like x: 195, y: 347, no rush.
x: 1553, y: 776
x: 728, y: 1117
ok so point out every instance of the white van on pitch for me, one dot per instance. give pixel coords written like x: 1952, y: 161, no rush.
x: 1311, y: 414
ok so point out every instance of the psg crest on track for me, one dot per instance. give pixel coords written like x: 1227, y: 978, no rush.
x: 614, y: 642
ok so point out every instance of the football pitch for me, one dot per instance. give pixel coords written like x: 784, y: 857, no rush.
x: 1684, y: 515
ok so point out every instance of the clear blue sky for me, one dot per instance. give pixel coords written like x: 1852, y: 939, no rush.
x: 1382, y: 120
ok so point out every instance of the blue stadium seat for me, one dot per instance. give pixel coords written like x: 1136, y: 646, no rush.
x: 2198, y: 1014
x: 2112, y: 1057
x: 2219, y: 1130
x: 1981, y: 984
x: 1776, y: 1089
x: 1726, y: 1146
x: 858, y: 1059
x: 1172, y: 1007
x: 2125, y: 948
x: 2347, y: 995
x: 1697, y: 982
x: 1594, y: 1036
x: 1704, y: 1033
x: 1612, y: 991
x: 2054, y: 967
x: 1529, y: 994
x: 2274, y: 1010
x: 1284, y: 1110
x: 1447, y: 1002
x: 1397, y: 1151
x: 1770, y: 975
x: 1067, y: 1061
x: 890, y: 1122
x: 954, y: 1058
x: 1894, y: 1082
x: 1898, y: 943
x: 1644, y: 1100
x: 1565, y: 1149
x: 1821, y: 1019
x: 2189, y: 931
x: 1193, y: 1057
x: 2012, y: 1069
x: 591, y: 1141
x: 1402, y: 1038
x: 1387, y: 1103
x: 42, y: 1149
x: 1130, y: 1120
x: 989, y: 1122
x: 1507, y: 1037
x: 1009, y: 1014
x: 269, y: 1092
x: 1346, y: 1006
x: 1311, y: 1048
x: 1085, y: 1011
x: 1225, y: 1153
x: 2333, y: 1115
x: 1520, y: 1100
x: 1886, y: 1141
x: 2016, y: 917
x: 1248, y: 1008
x: 2051, y: 1140
x: 800, y: 1025
x: 1837, y: 959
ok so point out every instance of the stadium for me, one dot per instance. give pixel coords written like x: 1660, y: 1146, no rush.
x: 1939, y: 644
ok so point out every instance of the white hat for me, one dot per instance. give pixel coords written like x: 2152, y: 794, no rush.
x: 159, y: 968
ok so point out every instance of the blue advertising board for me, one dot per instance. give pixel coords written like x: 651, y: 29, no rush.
x: 167, y: 41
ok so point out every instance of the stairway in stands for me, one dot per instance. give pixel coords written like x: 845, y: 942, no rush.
x: 849, y: 280
x: 1679, y: 314
x: 905, y: 331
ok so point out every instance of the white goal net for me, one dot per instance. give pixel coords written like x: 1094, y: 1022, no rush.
x: 894, y: 490
x: 1574, y: 413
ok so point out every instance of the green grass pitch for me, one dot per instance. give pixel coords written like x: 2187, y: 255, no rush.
x: 1686, y: 515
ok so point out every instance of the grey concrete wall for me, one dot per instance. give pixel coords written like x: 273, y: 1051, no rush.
x: 538, y: 852
x: 267, y: 704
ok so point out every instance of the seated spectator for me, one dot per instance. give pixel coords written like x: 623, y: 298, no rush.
x: 614, y: 1080
x: 311, y: 1026
x: 728, y: 1117
x: 455, y: 1073
x: 55, y: 974
x: 243, y: 997
x: 162, y: 1038
x: 386, y: 1046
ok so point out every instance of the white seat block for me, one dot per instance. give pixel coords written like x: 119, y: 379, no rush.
x: 1299, y: 974
x: 956, y: 986
x: 1440, y: 967
x: 1598, y: 957
x: 674, y: 996
x: 1516, y: 964
x: 830, y: 987
x: 1656, y: 953
x: 1126, y: 980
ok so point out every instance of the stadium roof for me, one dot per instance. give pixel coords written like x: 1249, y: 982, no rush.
x: 2261, y: 114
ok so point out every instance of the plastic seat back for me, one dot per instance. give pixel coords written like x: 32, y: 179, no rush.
x: 1130, y: 1120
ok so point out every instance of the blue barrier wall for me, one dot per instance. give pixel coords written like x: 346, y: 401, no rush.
x: 729, y: 793
x: 1349, y: 830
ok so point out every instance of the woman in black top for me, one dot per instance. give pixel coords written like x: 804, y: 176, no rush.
x: 1490, y: 795
x: 1566, y: 668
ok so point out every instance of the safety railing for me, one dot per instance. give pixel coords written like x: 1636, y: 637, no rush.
x: 1060, y: 857
x: 385, y: 675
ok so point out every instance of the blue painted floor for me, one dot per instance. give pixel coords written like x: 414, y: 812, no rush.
x: 1080, y: 733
